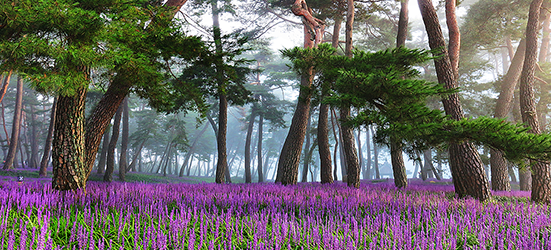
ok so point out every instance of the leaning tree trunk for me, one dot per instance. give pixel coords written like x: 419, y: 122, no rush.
x: 68, y: 144
x: 123, y: 164
x: 465, y: 164
x: 498, y: 164
x: 108, y: 105
x: 108, y: 176
x: 289, y: 159
x: 48, y: 144
x: 191, y: 150
x: 8, y: 163
x: 541, y: 175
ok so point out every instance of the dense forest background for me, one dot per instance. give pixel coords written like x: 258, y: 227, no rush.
x: 251, y: 87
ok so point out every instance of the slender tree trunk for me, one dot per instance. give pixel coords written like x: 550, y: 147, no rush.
x: 5, y: 85
x: 259, y: 148
x: 375, y: 156
x: 108, y: 105
x: 367, y: 172
x: 33, y: 159
x: 137, y: 156
x: 103, y: 153
x: 466, y: 167
x: 48, y: 145
x: 123, y: 164
x: 541, y: 175
x: 306, y: 162
x: 360, y: 153
x: 289, y: 159
x: 108, y: 176
x: 403, y: 24
x: 192, y: 149
x: 8, y: 163
x: 427, y: 155
x: 250, y: 126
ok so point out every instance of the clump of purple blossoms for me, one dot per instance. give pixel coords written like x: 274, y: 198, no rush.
x: 266, y: 216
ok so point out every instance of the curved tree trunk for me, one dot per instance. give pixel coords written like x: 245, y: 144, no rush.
x: 465, y: 164
x: 108, y: 176
x: 541, y: 175
x: 16, y: 127
x: 48, y: 144
x: 191, y: 150
x: 289, y: 159
x: 403, y: 24
x: 398, y: 166
x: 105, y: 109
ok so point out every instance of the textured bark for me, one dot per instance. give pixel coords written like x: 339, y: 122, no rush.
x: 5, y: 84
x: 525, y: 178
x: 307, y: 155
x: 222, y: 164
x: 105, y: 109
x: 123, y: 162
x: 465, y: 164
x: 289, y: 158
x: 48, y: 144
x: 454, y: 36
x: 350, y: 152
x: 336, y: 31
x: 398, y: 166
x: 541, y: 175
x: 498, y: 164
x: 68, y: 143
x: 259, y: 148
x: 250, y: 126
x: 108, y: 176
x: 103, y: 153
x: 16, y: 127
x: 403, y: 24
x: 348, y: 28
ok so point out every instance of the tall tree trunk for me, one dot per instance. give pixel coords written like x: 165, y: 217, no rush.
x: 306, y: 163
x: 498, y: 164
x: 105, y: 109
x: 259, y: 165
x: 367, y: 171
x: 215, y: 128
x: 33, y: 159
x: 48, y: 144
x: 349, y: 145
x: 396, y: 156
x: 360, y: 153
x: 466, y: 167
x: 541, y: 176
x: 123, y: 164
x: 375, y: 156
x: 8, y: 163
x: 250, y: 126
x: 403, y: 24
x: 104, y: 149
x: 68, y: 143
x: 333, y: 126
x: 108, y: 176
x: 289, y: 159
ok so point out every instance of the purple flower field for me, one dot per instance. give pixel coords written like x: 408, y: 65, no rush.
x: 266, y: 216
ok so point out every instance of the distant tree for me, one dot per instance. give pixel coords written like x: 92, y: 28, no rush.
x: 16, y: 127
x: 108, y: 176
x: 48, y: 144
